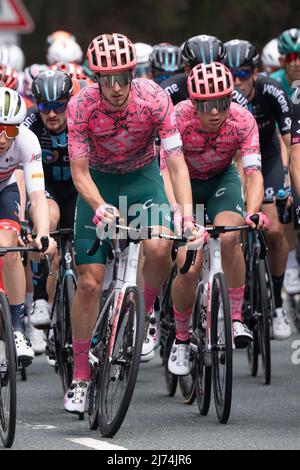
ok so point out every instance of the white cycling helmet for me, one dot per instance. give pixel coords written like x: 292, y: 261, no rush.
x: 64, y: 51
x: 12, y: 55
x: 59, y: 35
x: 143, y: 52
x: 270, y: 55
x: 12, y: 107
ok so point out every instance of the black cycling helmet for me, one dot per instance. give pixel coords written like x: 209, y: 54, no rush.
x: 166, y: 58
x: 240, y: 53
x: 202, y: 49
x: 52, y: 86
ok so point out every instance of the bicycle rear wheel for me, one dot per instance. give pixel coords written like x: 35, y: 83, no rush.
x: 171, y: 380
x: 8, y: 398
x: 221, y: 338
x: 263, y: 322
x: 121, y: 370
x: 188, y: 388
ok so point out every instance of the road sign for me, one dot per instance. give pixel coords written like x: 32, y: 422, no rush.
x: 14, y: 17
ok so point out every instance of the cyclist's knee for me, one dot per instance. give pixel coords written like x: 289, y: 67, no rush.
x: 230, y: 242
x: 158, y: 253
x: 90, y: 282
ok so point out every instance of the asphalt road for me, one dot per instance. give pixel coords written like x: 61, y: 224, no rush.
x: 262, y: 417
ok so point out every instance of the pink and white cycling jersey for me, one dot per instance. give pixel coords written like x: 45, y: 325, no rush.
x: 209, y: 154
x: 122, y: 141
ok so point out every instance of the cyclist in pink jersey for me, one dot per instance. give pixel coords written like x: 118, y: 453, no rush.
x: 112, y: 153
x: 214, y: 131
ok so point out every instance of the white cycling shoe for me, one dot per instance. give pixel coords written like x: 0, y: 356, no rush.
x: 281, y: 325
x: 36, y: 338
x: 291, y: 281
x: 40, y: 314
x: 76, y: 397
x: 241, y: 335
x: 25, y: 353
x: 149, y: 343
x: 179, y: 361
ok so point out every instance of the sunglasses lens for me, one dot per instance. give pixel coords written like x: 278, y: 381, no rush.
x: 9, y: 131
x: 56, y: 107
x: 220, y: 105
x: 241, y: 74
x: 109, y: 81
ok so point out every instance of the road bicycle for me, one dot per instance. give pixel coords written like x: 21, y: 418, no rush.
x: 59, y: 337
x: 118, y: 335
x: 8, y: 358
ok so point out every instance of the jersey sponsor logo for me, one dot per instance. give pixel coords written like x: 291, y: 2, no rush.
x: 90, y: 227
x: 172, y: 89
x: 240, y: 99
x: 36, y: 157
x: 37, y: 176
x: 220, y: 192
x: 148, y: 204
x: 31, y: 119
x: 278, y: 94
x: 49, y: 156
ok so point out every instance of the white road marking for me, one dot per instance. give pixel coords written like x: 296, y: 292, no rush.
x: 96, y: 444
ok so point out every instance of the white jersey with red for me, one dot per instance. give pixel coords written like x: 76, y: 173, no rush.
x: 122, y: 141
x: 25, y: 153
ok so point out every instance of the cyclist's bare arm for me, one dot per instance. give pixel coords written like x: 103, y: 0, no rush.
x: 84, y: 184
x: 255, y: 191
x: 181, y: 183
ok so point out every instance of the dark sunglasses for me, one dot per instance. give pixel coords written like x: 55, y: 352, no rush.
x: 222, y: 104
x: 109, y: 81
x: 241, y: 74
x: 293, y: 56
x: 57, y: 106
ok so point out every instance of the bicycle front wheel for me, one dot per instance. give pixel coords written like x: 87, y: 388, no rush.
x: 121, y: 369
x: 221, y: 338
x: 8, y: 398
x: 65, y: 363
x: 202, y: 368
x: 263, y: 322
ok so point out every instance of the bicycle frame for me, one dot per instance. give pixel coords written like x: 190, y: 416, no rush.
x: 211, y: 265
x: 126, y: 277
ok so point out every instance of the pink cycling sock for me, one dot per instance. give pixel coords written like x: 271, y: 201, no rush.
x: 182, y: 320
x: 81, y: 360
x: 150, y: 294
x: 236, y: 297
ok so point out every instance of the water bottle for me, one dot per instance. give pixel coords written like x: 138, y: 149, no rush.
x: 285, y: 214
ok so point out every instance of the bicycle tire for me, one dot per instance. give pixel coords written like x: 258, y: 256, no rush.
x: 129, y: 337
x: 98, y: 350
x: 263, y: 323
x: 202, y: 372
x: 23, y: 374
x: 64, y: 352
x: 253, y: 353
x: 221, y: 351
x: 8, y: 405
x: 187, y: 387
x: 171, y: 380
